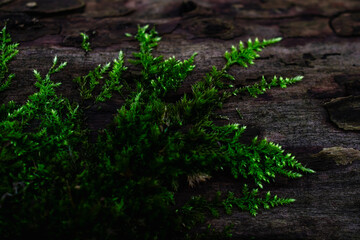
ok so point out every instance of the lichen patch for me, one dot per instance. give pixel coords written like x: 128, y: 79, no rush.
x: 339, y: 155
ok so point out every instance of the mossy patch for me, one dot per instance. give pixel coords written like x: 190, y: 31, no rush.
x: 57, y: 184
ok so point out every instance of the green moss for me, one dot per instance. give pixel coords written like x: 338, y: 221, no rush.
x: 56, y: 183
x: 85, y: 44
x: 8, y: 52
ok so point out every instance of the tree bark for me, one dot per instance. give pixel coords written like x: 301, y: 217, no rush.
x: 311, y: 119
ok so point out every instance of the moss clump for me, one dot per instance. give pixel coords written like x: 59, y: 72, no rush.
x: 57, y: 184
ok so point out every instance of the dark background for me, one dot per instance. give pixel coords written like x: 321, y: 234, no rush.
x: 318, y: 119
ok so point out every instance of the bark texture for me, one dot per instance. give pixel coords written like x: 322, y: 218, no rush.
x: 318, y: 119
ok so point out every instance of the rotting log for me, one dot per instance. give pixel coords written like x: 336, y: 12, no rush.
x: 321, y: 42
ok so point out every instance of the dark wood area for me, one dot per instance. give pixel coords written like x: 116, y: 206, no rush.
x: 318, y: 119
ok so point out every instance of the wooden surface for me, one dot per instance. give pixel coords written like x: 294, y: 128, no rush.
x: 318, y: 119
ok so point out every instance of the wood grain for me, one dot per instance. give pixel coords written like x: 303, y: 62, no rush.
x: 321, y: 42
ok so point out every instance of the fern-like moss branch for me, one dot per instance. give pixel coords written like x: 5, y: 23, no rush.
x: 85, y: 44
x: 8, y: 51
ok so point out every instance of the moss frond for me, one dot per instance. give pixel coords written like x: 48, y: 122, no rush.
x: 8, y: 51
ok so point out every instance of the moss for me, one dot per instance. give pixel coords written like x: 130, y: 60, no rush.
x: 57, y: 184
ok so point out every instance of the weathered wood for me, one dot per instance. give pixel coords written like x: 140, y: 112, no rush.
x: 321, y: 42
